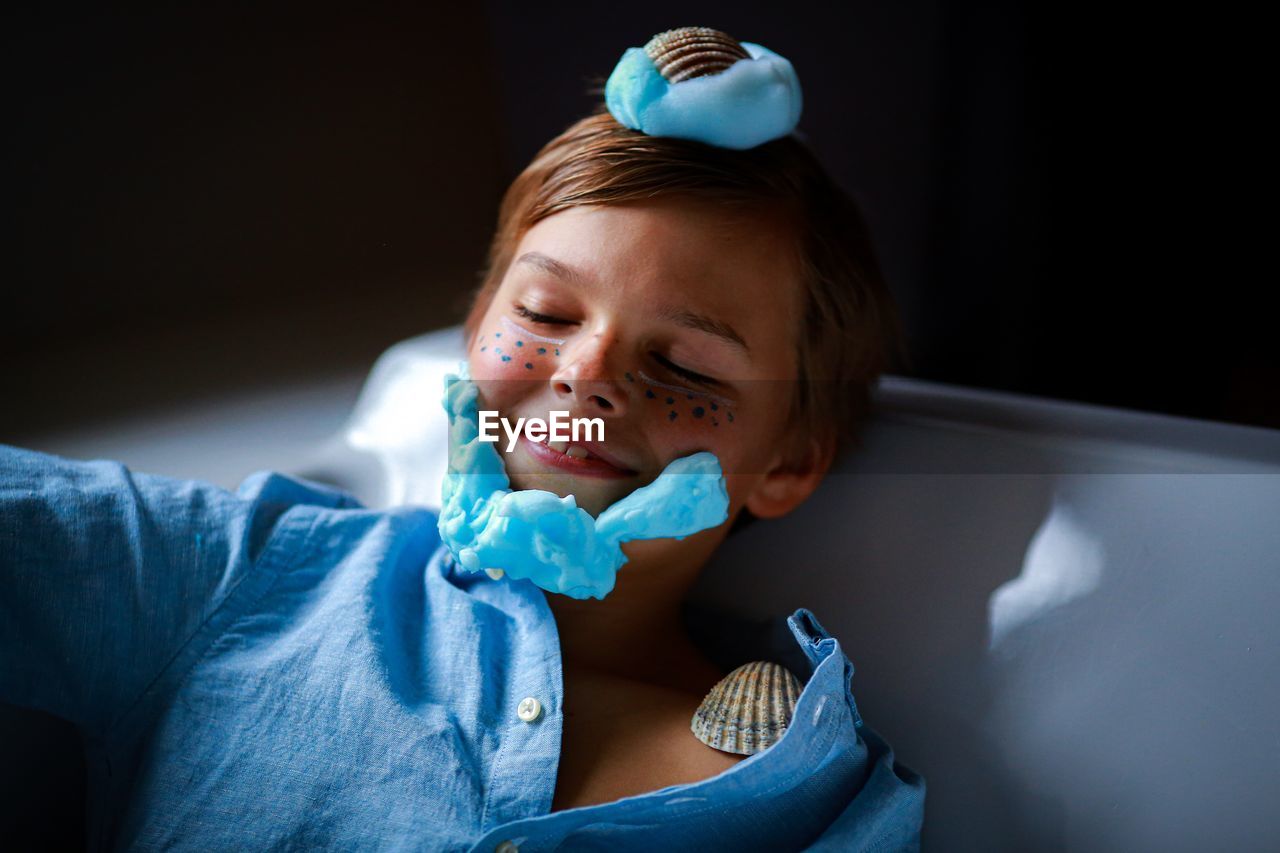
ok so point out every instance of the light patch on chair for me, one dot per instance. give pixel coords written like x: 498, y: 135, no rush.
x: 1064, y: 562
x: 403, y: 428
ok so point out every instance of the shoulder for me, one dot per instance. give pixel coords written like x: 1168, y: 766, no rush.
x: 306, y: 521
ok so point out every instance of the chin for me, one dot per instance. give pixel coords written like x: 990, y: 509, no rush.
x: 586, y: 494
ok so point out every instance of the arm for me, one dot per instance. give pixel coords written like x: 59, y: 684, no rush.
x: 106, y: 573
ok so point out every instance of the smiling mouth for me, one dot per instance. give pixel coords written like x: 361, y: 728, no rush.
x: 574, y: 458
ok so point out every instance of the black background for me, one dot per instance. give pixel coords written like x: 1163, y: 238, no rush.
x: 201, y: 199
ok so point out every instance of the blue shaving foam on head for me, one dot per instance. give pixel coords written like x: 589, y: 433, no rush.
x: 548, y: 539
x: 752, y: 102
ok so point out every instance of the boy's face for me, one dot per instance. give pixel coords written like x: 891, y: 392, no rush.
x: 602, y: 304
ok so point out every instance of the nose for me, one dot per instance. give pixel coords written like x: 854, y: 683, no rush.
x: 584, y: 381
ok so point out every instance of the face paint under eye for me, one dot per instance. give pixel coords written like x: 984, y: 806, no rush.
x: 516, y: 327
x: 723, y: 401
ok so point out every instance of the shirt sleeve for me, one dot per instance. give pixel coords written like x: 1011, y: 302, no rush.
x: 105, y: 573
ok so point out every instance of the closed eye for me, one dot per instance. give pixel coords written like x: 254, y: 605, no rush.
x: 685, y: 373
x: 534, y: 316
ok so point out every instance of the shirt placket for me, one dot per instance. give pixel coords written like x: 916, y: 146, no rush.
x: 523, y: 780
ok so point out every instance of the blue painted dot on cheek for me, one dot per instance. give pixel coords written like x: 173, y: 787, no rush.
x: 542, y: 350
x: 649, y: 393
x: 497, y: 334
x: 670, y: 400
x: 528, y: 365
x: 557, y: 351
x: 714, y: 407
x: 519, y: 343
x: 506, y: 358
x: 671, y: 416
x: 482, y: 349
x: 698, y: 411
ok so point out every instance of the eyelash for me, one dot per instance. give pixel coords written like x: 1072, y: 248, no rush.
x: 539, y: 318
x: 548, y: 320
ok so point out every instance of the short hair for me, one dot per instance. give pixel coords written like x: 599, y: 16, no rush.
x: 850, y: 328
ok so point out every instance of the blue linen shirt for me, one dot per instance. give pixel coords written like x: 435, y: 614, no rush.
x: 282, y: 667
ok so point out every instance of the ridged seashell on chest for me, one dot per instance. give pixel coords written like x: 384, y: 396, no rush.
x: 687, y: 52
x: 749, y: 709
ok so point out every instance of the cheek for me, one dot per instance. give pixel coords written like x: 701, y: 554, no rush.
x: 686, y: 413
x: 686, y: 421
x: 502, y: 353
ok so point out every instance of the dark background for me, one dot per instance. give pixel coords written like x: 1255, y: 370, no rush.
x: 206, y: 199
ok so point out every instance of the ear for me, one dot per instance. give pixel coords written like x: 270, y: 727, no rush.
x: 790, y: 482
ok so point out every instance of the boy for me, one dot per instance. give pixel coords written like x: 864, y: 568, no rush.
x: 282, y: 666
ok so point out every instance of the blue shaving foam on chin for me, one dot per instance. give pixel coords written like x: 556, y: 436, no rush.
x: 548, y: 539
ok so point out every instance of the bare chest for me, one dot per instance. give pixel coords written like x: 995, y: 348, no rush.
x: 623, y: 738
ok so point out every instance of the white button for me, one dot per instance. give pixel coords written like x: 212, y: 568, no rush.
x: 506, y: 847
x: 496, y: 574
x: 528, y: 709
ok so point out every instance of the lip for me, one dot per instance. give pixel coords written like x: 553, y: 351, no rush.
x: 597, y: 449
x: 585, y: 467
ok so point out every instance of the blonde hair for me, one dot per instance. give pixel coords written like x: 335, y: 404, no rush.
x: 850, y: 329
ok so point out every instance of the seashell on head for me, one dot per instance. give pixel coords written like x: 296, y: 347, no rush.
x: 687, y: 52
x: 749, y: 709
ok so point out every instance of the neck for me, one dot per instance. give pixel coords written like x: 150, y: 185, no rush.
x: 636, y: 631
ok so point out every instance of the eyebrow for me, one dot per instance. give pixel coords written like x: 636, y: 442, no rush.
x: 680, y: 316
x: 550, y: 265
